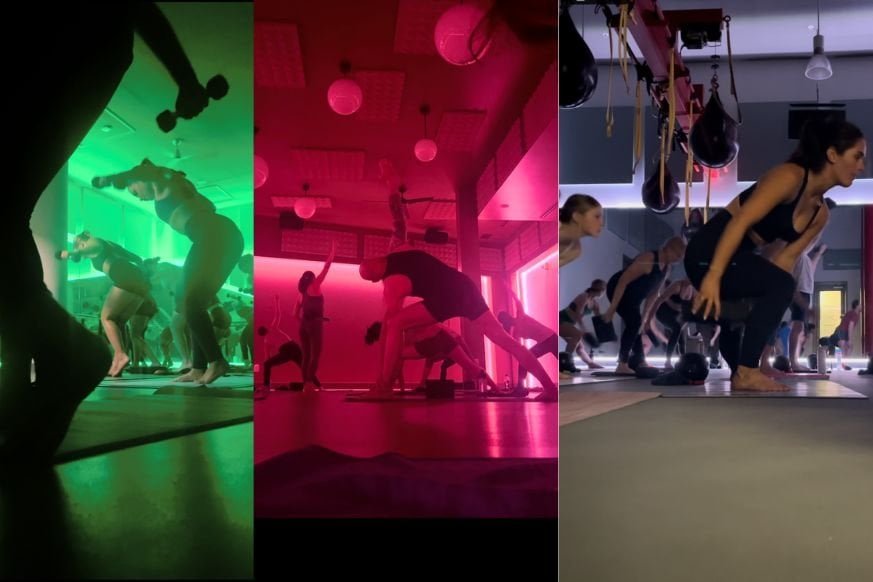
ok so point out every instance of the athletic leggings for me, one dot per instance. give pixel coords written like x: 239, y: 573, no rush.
x: 547, y: 346
x: 288, y: 352
x: 669, y: 317
x: 311, y: 334
x: 629, y: 309
x: 217, y: 247
x: 747, y: 276
x: 247, y: 342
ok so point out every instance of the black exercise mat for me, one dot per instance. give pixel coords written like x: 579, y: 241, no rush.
x: 105, y: 423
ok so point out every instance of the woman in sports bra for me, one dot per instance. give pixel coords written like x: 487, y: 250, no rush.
x: 786, y: 204
x: 130, y: 288
x: 217, y: 245
x: 309, y: 310
x: 629, y: 288
x: 580, y: 216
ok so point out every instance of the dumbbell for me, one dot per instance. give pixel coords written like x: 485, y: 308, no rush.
x: 216, y: 88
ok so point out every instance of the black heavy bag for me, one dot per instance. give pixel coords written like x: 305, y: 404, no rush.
x: 782, y: 363
x: 714, y: 135
x: 578, y: 74
x: 246, y: 264
x: 693, y: 367
x: 695, y: 221
x: 605, y: 331
x: 652, y: 198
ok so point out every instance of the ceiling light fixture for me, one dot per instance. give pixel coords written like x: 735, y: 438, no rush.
x: 819, y: 67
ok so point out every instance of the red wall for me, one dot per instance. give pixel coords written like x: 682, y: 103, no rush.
x: 350, y: 303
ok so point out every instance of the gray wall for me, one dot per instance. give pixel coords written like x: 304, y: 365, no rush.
x: 587, y: 156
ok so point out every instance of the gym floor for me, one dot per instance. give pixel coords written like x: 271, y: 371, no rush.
x: 319, y: 455
x: 288, y: 421
x: 719, y: 489
x: 170, y: 496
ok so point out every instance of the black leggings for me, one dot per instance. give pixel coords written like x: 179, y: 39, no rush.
x: 217, y: 247
x: 547, y: 346
x: 288, y: 352
x: 629, y: 310
x: 747, y: 276
x: 669, y: 317
x: 311, y: 334
x: 247, y: 342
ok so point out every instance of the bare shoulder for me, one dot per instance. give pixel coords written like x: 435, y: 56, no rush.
x: 398, y: 285
x: 784, y: 179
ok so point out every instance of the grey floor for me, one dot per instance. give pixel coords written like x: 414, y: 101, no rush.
x: 178, y: 508
x: 720, y: 489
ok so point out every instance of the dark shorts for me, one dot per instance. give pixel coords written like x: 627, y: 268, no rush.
x: 129, y: 277
x: 148, y: 308
x: 797, y: 311
x: 463, y: 300
x: 565, y: 317
x: 438, y: 345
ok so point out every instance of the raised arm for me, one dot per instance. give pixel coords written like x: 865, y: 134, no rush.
x: 155, y: 30
x: 331, y: 255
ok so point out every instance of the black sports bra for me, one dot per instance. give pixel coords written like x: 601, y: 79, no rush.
x: 779, y: 222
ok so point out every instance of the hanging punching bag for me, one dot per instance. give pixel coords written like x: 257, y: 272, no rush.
x: 578, y: 75
x: 714, y: 135
x: 695, y: 221
x: 652, y: 198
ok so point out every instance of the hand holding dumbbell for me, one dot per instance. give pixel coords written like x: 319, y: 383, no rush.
x: 190, y: 103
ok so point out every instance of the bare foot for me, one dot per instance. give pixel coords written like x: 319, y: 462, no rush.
x: 771, y: 371
x: 214, y: 371
x: 547, y: 396
x: 623, y: 368
x: 594, y: 366
x: 564, y: 375
x: 752, y: 380
x: 191, y: 375
x: 119, y: 361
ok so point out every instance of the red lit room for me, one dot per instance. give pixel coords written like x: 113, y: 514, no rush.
x: 425, y: 132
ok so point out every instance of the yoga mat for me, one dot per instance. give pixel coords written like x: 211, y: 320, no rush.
x: 103, y: 423
x: 576, y: 406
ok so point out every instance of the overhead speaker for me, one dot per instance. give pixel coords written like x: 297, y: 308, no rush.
x: 436, y: 236
x: 290, y: 221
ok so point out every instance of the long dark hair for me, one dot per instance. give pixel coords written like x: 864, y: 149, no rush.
x: 820, y: 134
x: 577, y: 203
x: 305, y: 281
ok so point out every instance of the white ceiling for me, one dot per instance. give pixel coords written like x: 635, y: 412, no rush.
x: 775, y: 28
x: 770, y: 42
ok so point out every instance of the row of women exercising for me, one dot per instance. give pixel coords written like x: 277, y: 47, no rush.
x: 748, y: 252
